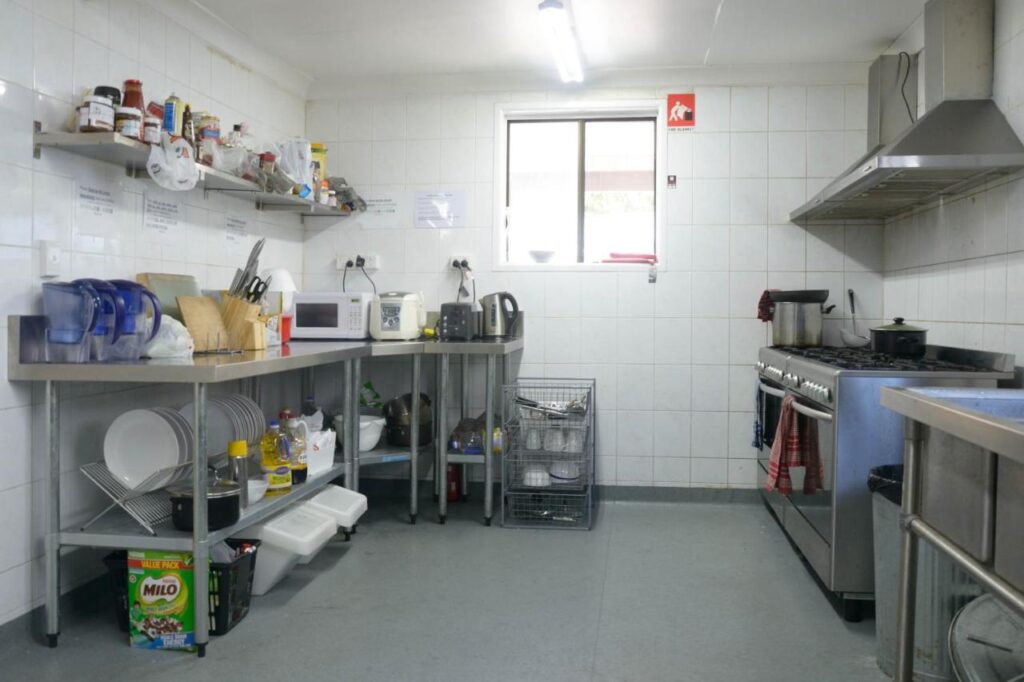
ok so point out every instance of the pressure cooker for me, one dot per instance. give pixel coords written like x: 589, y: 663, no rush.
x: 797, y: 316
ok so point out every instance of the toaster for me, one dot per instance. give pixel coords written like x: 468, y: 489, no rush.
x: 397, y: 316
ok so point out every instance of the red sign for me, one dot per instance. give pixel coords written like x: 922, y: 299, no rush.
x: 682, y: 110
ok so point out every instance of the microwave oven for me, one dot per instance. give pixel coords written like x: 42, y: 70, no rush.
x: 331, y: 315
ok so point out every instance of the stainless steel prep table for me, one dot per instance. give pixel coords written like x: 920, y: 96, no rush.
x: 993, y: 421
x: 25, y: 363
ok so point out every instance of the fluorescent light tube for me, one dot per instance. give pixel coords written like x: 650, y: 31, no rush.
x: 561, y: 40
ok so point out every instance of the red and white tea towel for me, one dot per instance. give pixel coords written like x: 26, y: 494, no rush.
x: 796, y: 445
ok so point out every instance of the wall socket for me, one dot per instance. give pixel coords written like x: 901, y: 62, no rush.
x: 459, y: 257
x: 372, y: 261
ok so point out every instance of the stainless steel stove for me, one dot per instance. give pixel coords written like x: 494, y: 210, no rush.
x: 839, y: 389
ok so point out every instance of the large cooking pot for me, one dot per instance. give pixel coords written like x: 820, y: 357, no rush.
x: 798, y: 317
x: 223, y: 507
x: 398, y: 416
x: 900, y: 339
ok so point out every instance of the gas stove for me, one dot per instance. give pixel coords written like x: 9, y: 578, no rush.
x: 836, y: 392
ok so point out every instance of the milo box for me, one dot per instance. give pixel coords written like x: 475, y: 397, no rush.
x: 160, y: 613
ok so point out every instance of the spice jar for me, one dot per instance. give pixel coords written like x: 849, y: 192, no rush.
x: 133, y: 99
x: 209, y: 127
x: 267, y: 161
x: 96, y: 115
x: 151, y: 130
x: 110, y: 92
x: 128, y: 122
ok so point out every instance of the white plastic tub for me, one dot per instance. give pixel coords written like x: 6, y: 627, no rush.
x: 299, y: 531
x: 341, y: 504
x: 370, y: 430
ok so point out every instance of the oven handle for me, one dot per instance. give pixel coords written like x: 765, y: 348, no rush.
x: 811, y: 412
x: 775, y: 392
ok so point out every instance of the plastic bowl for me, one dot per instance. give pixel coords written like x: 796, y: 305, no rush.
x: 370, y: 430
x: 257, y: 489
x: 540, y: 256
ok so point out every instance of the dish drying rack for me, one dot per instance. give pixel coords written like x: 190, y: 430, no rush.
x: 548, y: 462
x: 149, y: 508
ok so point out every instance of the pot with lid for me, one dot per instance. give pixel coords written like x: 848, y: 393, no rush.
x: 899, y: 339
x: 797, y: 317
x: 222, y: 505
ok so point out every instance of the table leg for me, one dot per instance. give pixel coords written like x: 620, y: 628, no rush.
x: 463, y: 413
x: 907, y: 605
x: 414, y: 447
x: 200, y: 532
x: 354, y: 420
x: 442, y: 439
x: 489, y: 441
x: 347, y: 403
x: 52, y: 543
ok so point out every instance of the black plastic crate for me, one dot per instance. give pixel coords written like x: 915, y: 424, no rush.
x: 230, y: 588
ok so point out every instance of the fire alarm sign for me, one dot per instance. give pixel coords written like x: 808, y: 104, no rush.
x: 682, y: 110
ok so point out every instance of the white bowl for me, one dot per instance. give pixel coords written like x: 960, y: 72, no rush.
x: 257, y: 489
x: 370, y: 430
x: 536, y: 477
x: 564, y: 471
x: 541, y: 256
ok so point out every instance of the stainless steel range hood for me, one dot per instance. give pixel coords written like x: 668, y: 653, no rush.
x: 963, y: 141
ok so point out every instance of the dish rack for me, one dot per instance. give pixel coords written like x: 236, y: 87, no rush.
x: 547, y: 473
x: 149, y: 508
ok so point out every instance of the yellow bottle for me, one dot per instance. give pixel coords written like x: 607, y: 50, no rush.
x: 274, y: 460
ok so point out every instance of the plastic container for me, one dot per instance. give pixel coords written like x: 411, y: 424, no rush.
x: 230, y: 587
x: 942, y: 587
x: 287, y: 538
x: 341, y: 504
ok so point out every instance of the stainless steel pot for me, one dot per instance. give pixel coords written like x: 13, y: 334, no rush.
x: 798, y: 324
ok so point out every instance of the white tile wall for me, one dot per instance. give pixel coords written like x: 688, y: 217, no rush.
x: 958, y: 268
x: 673, y: 359
x: 49, y: 52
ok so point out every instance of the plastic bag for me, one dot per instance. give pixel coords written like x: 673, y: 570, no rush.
x: 887, y: 480
x: 296, y: 162
x: 172, y: 340
x: 171, y: 164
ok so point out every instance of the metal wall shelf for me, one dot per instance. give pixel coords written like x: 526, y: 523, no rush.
x: 132, y: 155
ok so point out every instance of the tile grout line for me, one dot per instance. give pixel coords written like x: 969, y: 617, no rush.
x: 604, y: 584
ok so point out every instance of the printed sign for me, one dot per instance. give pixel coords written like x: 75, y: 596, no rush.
x: 96, y: 216
x: 682, y: 110
x: 384, y: 208
x: 440, y: 209
x: 161, y: 217
x: 236, y: 229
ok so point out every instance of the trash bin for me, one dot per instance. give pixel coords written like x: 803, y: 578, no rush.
x: 942, y: 587
x: 987, y: 642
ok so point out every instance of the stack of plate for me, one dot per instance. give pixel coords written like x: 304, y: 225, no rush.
x: 228, y: 418
x: 147, y: 449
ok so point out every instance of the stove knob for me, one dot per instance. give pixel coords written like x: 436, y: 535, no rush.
x: 760, y: 366
x: 826, y: 394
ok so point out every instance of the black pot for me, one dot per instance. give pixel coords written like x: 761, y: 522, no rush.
x: 222, y: 505
x: 899, y: 339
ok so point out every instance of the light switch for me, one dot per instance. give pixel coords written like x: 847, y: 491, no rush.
x: 51, y: 255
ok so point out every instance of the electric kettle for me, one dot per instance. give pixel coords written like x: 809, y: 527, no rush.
x: 501, y: 314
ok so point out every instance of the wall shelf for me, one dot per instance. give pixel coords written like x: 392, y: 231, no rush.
x: 132, y: 155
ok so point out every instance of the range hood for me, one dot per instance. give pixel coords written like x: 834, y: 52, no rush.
x: 961, y: 142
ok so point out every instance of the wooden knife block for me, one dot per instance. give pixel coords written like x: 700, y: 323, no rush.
x: 241, y: 319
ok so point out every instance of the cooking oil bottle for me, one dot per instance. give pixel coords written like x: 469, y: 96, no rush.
x: 298, y: 438
x: 275, y: 460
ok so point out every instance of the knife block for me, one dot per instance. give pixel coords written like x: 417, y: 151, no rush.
x: 241, y: 319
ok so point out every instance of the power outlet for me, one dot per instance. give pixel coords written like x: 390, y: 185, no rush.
x: 341, y: 261
x: 459, y: 258
x: 372, y: 261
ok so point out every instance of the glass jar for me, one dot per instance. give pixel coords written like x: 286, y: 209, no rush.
x: 151, y: 130
x: 128, y: 122
x: 133, y: 95
x: 96, y: 115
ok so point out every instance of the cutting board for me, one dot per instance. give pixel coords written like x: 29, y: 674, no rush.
x: 168, y: 288
x: 201, y: 316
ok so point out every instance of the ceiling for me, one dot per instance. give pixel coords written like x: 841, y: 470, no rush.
x: 359, y: 38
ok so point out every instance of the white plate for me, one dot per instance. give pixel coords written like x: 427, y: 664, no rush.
x: 219, y: 429
x: 139, y: 444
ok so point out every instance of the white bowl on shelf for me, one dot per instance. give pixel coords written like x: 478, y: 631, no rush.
x: 257, y: 489
x: 541, y: 255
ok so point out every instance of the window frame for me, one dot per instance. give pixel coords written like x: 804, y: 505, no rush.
x: 574, y: 110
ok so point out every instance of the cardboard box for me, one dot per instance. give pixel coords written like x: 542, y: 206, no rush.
x: 160, y: 603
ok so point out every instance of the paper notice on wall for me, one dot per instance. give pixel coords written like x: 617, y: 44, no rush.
x: 440, y: 209
x: 161, y: 218
x: 96, y: 216
x: 236, y: 231
x: 385, y: 208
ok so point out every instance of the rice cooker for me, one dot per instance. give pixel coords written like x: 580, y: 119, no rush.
x: 397, y: 316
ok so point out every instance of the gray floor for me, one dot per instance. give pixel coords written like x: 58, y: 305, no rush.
x: 658, y: 591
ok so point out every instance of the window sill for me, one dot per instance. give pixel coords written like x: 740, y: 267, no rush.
x: 571, y: 267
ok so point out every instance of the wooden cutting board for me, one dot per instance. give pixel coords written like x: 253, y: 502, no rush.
x: 168, y: 287
x: 201, y: 316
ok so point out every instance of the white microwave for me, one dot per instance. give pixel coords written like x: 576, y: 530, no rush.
x: 331, y: 315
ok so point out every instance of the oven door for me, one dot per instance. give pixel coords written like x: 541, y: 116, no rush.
x: 816, y: 508
x: 769, y: 408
